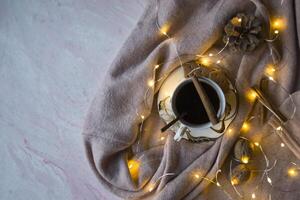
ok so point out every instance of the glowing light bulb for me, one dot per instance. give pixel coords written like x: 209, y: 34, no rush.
x: 279, y: 128
x: 162, y: 138
x: 240, y: 20
x: 256, y: 144
x: 234, y: 181
x: 197, y: 176
x: 164, y: 29
x: 271, y: 68
x: 210, y: 54
x: 142, y: 116
x: 282, y: 144
x: 276, y: 32
x: 133, y: 166
x: 269, y: 180
x: 218, y: 61
x: 251, y: 95
x: 278, y: 24
x: 270, y: 71
x: 150, y: 189
x: 253, y: 196
x: 245, y: 127
x: 292, y: 172
x: 229, y: 132
x: 205, y: 61
x: 156, y: 66
x: 218, y: 184
x: 151, y: 83
x: 245, y: 159
x: 271, y: 78
x: 132, y: 163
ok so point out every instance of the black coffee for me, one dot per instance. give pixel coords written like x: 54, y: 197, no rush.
x: 187, y: 101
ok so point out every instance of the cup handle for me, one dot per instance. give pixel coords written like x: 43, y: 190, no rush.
x: 180, y: 132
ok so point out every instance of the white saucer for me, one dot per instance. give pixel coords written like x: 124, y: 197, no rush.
x: 193, y: 134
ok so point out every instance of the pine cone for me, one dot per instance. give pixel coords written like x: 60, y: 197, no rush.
x: 243, y: 33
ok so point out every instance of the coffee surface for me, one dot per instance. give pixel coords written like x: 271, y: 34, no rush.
x: 188, y: 101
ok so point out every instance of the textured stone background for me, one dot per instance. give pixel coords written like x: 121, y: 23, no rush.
x: 53, y: 55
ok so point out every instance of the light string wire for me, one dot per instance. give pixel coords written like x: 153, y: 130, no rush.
x: 289, y: 97
x: 153, y: 82
x: 279, y: 129
x: 233, y: 185
x: 264, y: 171
x: 151, y: 187
x: 292, y: 171
x: 215, y: 182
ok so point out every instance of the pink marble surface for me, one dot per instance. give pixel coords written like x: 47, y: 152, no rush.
x: 53, y: 54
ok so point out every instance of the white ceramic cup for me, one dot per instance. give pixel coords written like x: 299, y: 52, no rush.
x: 222, y: 103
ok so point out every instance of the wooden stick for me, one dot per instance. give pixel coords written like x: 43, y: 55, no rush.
x: 206, y: 101
x: 265, y: 102
x: 171, y: 123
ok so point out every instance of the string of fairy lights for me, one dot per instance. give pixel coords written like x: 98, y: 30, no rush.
x: 277, y: 25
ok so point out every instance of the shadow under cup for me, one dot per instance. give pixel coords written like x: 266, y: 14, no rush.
x: 187, y: 103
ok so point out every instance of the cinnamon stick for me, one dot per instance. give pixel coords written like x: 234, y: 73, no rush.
x: 206, y: 102
x: 267, y: 103
x: 171, y: 123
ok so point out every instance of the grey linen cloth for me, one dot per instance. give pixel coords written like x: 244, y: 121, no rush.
x: 195, y: 27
